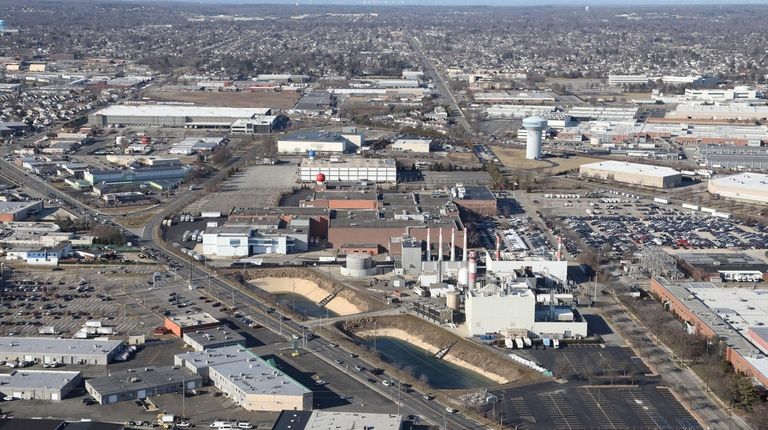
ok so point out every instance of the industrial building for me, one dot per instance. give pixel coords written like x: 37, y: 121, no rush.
x: 25, y: 384
x: 132, y: 384
x: 375, y: 170
x: 711, y: 266
x: 740, y: 157
x: 195, y: 145
x: 747, y: 187
x: 173, y: 116
x: 216, y: 337
x: 19, y: 211
x: 64, y: 351
x: 257, y: 124
x: 315, y: 103
x: 736, y: 316
x: 321, y: 142
x: 269, y: 236
x: 514, y: 307
x: 136, y: 175
x: 324, y: 420
x: 632, y: 173
x: 247, y: 380
x: 180, y: 324
x: 476, y: 199
x: 419, y: 146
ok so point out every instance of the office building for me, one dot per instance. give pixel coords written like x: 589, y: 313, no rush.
x: 263, y: 237
x: 632, y: 173
x: 25, y: 384
x: 64, y: 351
x: 256, y: 124
x: 132, y: 384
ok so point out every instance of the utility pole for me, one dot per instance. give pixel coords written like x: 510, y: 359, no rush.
x: 597, y: 271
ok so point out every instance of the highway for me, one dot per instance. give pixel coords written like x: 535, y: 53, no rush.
x: 248, y: 304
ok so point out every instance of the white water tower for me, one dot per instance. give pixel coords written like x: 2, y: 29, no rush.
x: 534, y: 126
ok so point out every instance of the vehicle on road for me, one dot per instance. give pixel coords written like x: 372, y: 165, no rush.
x: 450, y: 410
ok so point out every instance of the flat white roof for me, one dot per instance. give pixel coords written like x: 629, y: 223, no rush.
x: 754, y: 182
x: 349, y: 162
x: 37, y: 378
x: 741, y: 307
x: 189, y: 320
x: 623, y: 167
x: 322, y: 420
x: 412, y: 141
x: 185, y: 110
x: 45, y: 345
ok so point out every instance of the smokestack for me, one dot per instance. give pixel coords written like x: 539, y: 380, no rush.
x: 429, y: 244
x: 453, y: 244
x: 498, y: 247
x: 440, y: 246
x: 464, y: 250
x: 472, y: 269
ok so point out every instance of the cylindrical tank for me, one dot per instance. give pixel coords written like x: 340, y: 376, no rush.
x: 146, y: 140
x: 534, y: 126
x: 119, y: 140
x: 358, y: 261
x: 452, y: 300
x: 320, y: 178
x: 463, y: 276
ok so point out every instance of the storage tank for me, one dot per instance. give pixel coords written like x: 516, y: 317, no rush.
x: 358, y: 265
x: 463, y: 276
x: 534, y: 125
x: 146, y: 140
x: 452, y: 300
x: 119, y: 140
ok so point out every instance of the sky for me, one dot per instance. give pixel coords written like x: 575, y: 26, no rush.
x: 623, y: 3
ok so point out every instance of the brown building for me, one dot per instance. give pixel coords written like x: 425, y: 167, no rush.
x: 180, y: 324
x: 18, y: 211
x: 476, y: 199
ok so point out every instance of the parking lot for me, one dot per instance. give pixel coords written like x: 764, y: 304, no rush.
x: 552, y: 406
x: 587, y: 361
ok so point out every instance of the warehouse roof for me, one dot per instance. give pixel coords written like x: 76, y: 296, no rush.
x: 314, y: 136
x: 321, y: 420
x: 45, y: 345
x: 624, y: 167
x: 190, y: 320
x: 186, y: 111
x: 716, y: 261
x: 13, y: 207
x: 37, y: 378
x: 253, y: 375
x: 214, y: 336
x: 214, y: 356
x: 754, y: 182
x: 350, y: 162
x: 138, y: 379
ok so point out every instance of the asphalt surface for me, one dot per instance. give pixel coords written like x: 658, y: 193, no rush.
x: 412, y: 403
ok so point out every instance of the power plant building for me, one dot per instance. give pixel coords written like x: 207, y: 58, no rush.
x: 174, y: 116
x: 632, y: 173
x: 748, y: 187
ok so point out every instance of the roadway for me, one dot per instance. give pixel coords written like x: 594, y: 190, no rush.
x: 154, y: 245
x: 443, y: 89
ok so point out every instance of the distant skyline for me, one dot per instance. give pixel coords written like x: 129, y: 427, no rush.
x: 493, y: 3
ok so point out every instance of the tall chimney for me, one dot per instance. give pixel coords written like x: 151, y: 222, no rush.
x: 472, y: 270
x: 453, y: 244
x: 440, y: 246
x: 498, y: 247
x: 429, y: 244
x: 464, y: 250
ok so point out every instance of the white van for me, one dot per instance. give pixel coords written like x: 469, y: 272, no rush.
x: 221, y: 425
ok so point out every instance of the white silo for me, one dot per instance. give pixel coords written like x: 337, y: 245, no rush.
x: 534, y: 126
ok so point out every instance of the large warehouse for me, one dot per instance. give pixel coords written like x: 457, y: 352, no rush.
x: 749, y: 187
x: 39, y: 384
x: 173, y: 116
x: 134, y: 384
x: 320, y: 142
x: 64, y: 351
x: 18, y: 211
x: 632, y: 173
x: 349, y: 170
x: 247, y: 380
